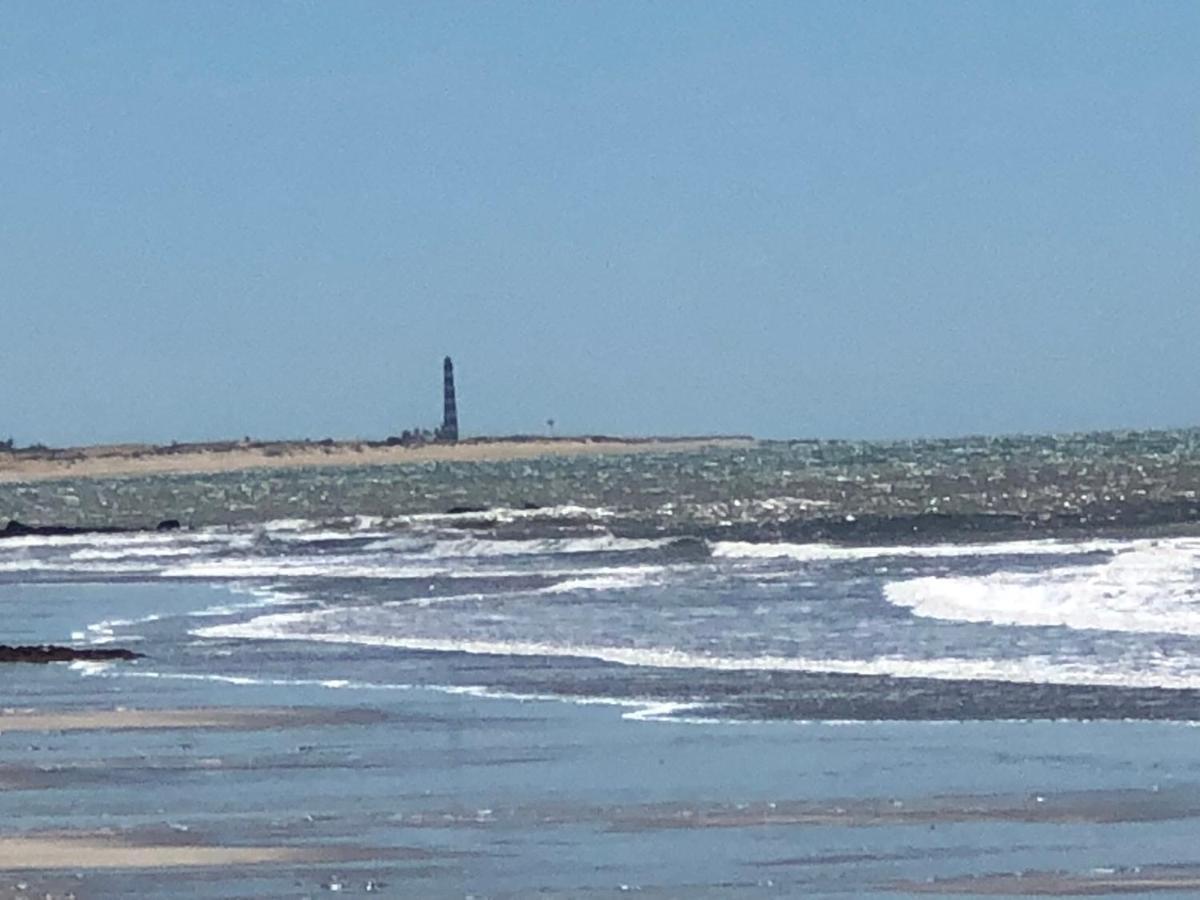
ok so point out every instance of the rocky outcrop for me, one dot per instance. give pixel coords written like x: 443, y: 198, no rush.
x: 48, y: 653
x: 464, y: 510
x: 20, y: 529
x: 15, y: 528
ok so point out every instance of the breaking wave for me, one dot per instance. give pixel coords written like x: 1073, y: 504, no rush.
x: 470, y: 547
x: 1162, y: 672
x: 818, y: 552
x: 1150, y: 587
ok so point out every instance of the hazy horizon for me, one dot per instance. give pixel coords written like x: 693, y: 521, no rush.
x: 791, y: 221
x: 557, y: 434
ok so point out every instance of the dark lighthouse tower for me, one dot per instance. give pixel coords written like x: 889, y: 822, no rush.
x: 449, y: 429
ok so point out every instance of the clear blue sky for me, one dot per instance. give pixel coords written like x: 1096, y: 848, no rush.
x: 790, y: 219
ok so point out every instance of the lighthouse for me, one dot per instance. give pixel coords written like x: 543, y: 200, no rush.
x: 449, y: 429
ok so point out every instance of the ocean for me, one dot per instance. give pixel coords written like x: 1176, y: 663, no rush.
x: 804, y: 633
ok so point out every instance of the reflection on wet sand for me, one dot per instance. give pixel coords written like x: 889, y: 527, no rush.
x: 240, y: 719
x: 1097, y: 882
x: 1099, y: 806
x: 84, y: 850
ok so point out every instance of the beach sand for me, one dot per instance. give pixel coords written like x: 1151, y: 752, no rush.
x: 444, y: 795
x: 68, y: 851
x: 145, y: 459
x: 162, y: 848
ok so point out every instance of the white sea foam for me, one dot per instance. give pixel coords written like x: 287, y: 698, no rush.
x: 471, y: 547
x: 121, y: 539
x: 261, y: 599
x: 106, y: 670
x: 292, y: 524
x: 90, y: 667
x: 87, y: 539
x: 1151, y: 586
x: 603, y: 579
x: 305, y: 567
x: 640, y: 710
x: 302, y: 531
x: 352, y: 566
x: 104, y: 632
x: 76, y: 568
x: 504, y: 514
x: 614, y: 579
x: 447, y: 598
x: 323, y: 536
x: 668, y: 711
x: 1160, y: 671
x: 270, y: 594
x: 113, y: 554
x: 818, y: 552
x: 404, y: 543
x: 195, y: 555
x: 136, y: 552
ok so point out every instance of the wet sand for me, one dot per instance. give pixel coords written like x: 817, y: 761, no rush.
x: 145, y: 459
x: 264, y: 799
x: 1064, y: 884
x: 149, y: 778
x: 126, y: 719
x: 1097, y: 807
x: 66, y: 851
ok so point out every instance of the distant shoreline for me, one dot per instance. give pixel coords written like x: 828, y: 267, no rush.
x: 115, y: 460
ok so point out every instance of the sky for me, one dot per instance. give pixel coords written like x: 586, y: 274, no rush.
x: 816, y: 219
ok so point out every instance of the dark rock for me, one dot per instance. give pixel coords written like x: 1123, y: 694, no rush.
x: 48, y: 653
x: 15, y: 528
x: 20, y: 529
x: 687, y: 548
x: 464, y: 510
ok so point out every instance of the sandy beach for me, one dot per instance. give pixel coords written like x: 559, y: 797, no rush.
x: 114, y: 460
x: 315, y: 800
x: 72, y: 852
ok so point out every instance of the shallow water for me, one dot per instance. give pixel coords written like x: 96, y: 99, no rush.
x: 455, y: 793
x: 658, y: 680
x: 1052, y: 628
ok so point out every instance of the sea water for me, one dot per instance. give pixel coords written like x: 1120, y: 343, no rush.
x: 662, y: 642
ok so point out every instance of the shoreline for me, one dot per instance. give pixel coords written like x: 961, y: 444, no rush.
x: 131, y: 460
x: 90, y: 851
x: 228, y: 718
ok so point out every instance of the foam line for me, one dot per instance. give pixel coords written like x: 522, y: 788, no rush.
x: 484, y: 547
x: 1164, y: 672
x: 1152, y: 587
x: 817, y: 552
